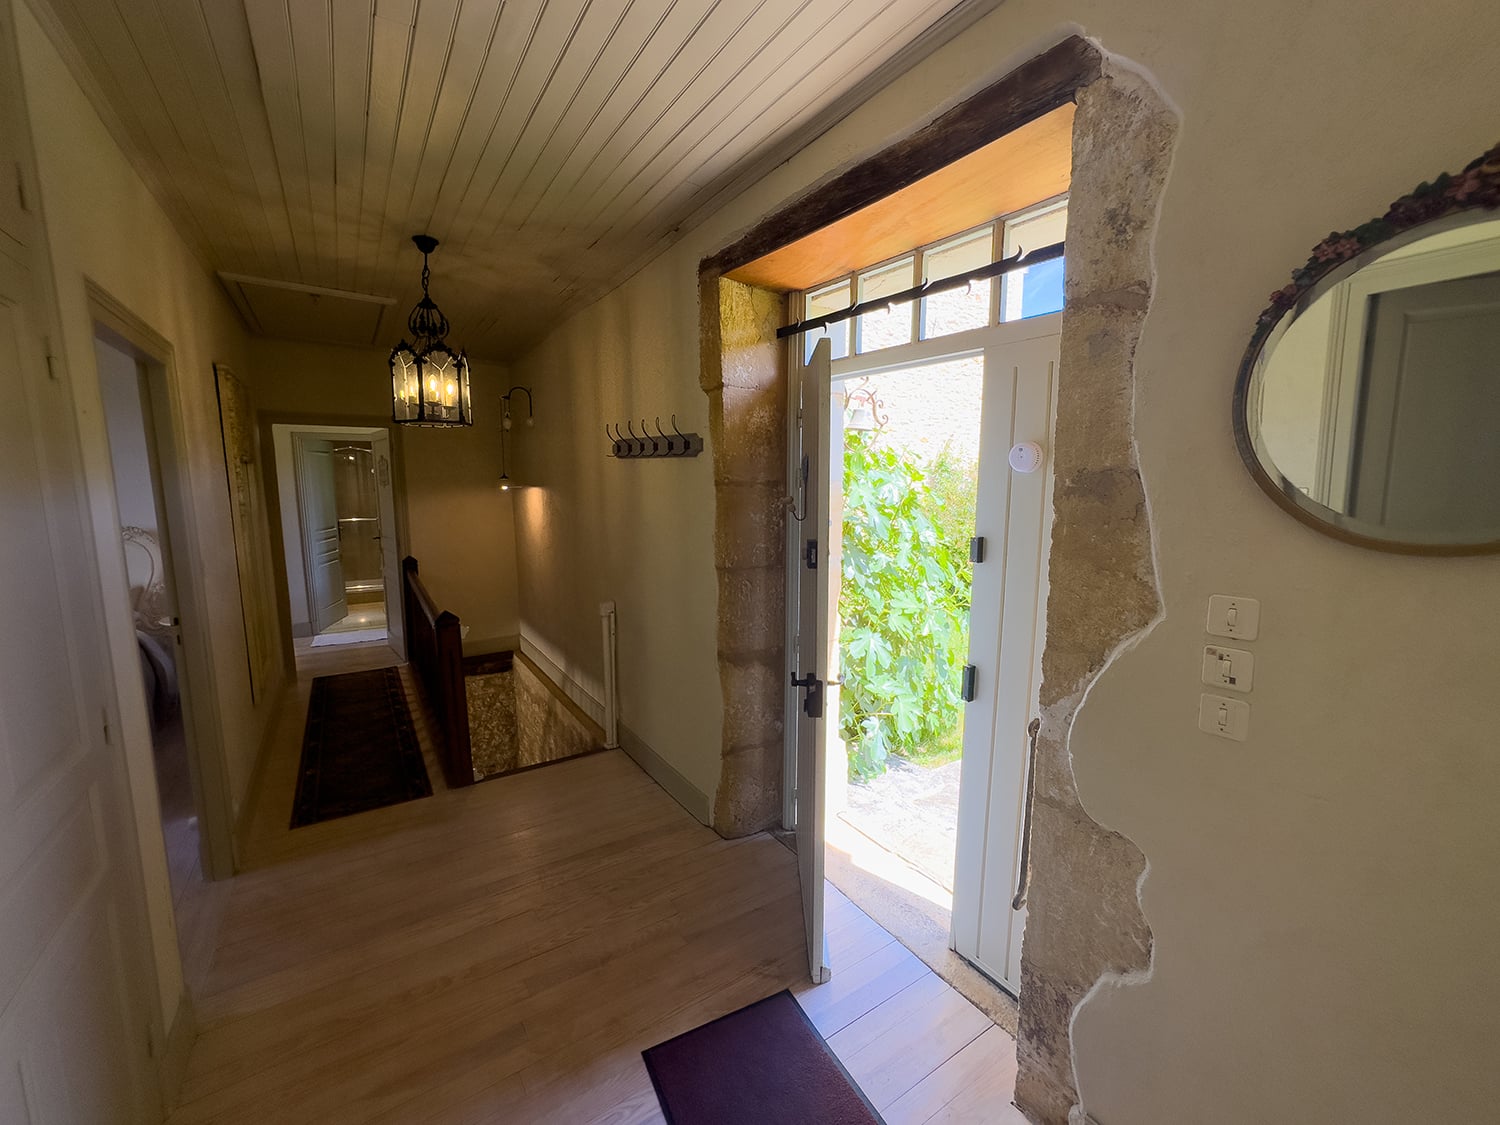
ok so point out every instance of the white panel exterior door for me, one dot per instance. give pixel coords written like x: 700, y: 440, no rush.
x: 75, y: 978
x: 812, y: 663
x: 1005, y: 644
x: 318, y: 509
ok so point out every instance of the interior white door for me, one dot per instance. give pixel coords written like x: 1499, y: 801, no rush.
x: 76, y: 981
x: 811, y: 659
x: 317, y: 507
x: 390, y: 552
x: 1005, y: 642
x: 1427, y: 457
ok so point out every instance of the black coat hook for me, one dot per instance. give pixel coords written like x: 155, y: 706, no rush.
x: 652, y: 441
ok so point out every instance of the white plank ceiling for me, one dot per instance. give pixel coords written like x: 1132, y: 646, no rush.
x: 552, y: 145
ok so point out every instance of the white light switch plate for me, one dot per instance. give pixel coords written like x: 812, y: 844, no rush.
x: 1231, y: 616
x: 1230, y: 668
x: 1225, y: 717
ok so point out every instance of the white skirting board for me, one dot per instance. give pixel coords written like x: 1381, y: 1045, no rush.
x: 683, y: 791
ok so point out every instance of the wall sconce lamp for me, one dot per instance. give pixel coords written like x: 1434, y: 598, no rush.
x: 530, y: 419
x: 506, y: 484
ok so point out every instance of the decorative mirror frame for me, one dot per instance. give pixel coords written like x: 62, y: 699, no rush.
x: 1449, y: 196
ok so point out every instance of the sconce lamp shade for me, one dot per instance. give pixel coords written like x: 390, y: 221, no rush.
x: 429, y: 379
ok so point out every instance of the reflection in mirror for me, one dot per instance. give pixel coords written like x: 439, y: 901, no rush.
x: 1372, y: 406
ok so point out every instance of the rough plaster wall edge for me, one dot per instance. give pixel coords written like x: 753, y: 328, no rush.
x: 1126, y: 71
x: 657, y: 768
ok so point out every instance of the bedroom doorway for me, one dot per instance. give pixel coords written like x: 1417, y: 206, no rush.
x: 133, y: 390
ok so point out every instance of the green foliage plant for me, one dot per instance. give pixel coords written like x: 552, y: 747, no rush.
x: 904, y: 602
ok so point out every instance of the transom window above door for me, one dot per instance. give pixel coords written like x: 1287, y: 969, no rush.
x: 1033, y: 291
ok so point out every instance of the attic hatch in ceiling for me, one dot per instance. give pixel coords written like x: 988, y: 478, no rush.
x: 1021, y: 168
x: 291, y: 311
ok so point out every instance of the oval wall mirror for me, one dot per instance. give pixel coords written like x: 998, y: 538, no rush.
x: 1368, y: 402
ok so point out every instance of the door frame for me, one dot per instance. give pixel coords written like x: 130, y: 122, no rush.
x: 115, y: 325
x: 333, y: 423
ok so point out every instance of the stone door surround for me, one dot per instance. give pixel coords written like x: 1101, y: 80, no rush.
x: 1085, y: 921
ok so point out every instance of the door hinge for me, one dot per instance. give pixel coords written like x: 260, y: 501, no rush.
x: 810, y: 554
x: 52, y: 368
x: 976, y: 549
x: 966, y: 684
x: 104, y: 720
x: 21, y: 188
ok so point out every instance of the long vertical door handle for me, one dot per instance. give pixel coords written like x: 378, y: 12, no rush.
x: 1032, y: 729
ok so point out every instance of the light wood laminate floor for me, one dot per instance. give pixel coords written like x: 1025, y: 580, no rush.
x: 504, y: 952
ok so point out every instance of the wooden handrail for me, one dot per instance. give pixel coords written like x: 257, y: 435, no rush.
x: 434, y: 640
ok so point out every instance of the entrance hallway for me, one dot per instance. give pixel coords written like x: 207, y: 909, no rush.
x: 504, y: 952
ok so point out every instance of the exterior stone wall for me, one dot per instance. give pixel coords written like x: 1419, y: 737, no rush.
x: 743, y: 372
x: 1084, y: 917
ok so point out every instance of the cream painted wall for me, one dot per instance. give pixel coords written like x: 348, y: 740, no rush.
x: 1324, y: 895
x: 639, y: 533
x: 105, y: 226
x: 460, y: 526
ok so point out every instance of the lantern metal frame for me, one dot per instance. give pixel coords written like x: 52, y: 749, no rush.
x: 429, y: 379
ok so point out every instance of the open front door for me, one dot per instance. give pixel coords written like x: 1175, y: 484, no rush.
x: 810, y: 671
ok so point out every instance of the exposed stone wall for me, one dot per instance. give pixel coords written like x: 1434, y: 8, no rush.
x: 1085, y: 919
x: 743, y: 372
x: 549, y: 725
x: 518, y: 718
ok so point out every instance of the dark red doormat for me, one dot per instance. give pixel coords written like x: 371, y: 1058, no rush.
x: 762, y: 1065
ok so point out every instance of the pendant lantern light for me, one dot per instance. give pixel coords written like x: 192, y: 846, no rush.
x: 429, y: 379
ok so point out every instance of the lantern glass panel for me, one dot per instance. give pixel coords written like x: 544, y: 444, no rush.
x: 405, y: 385
x: 442, y: 385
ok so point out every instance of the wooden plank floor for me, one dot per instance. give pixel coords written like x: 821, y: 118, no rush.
x: 503, y: 953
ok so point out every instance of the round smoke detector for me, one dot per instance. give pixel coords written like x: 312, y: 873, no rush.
x: 1026, y: 457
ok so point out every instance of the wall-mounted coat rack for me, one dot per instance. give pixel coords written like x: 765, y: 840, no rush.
x: 630, y: 444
